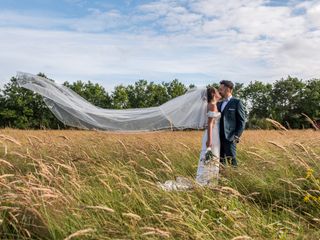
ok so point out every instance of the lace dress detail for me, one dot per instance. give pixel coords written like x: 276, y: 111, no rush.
x: 213, y: 114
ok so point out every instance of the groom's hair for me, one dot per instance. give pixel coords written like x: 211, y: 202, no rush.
x: 227, y: 83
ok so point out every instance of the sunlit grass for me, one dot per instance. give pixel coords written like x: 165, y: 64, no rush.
x: 96, y: 185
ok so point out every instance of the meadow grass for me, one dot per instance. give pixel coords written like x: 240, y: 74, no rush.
x: 100, y: 185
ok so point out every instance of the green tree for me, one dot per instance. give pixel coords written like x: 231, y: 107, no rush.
x: 93, y: 93
x: 283, y: 101
x: 137, y: 94
x: 257, y: 98
x: 21, y: 108
x: 143, y: 94
x: 120, y: 98
x: 287, y: 95
x: 310, y: 102
x: 191, y: 86
x: 157, y: 94
x: 237, y: 90
x: 175, y: 88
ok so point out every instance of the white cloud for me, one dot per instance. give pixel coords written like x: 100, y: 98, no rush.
x: 23, y: 20
x: 221, y: 8
x: 199, y: 40
x: 98, y: 21
x: 71, y: 56
x: 313, y: 14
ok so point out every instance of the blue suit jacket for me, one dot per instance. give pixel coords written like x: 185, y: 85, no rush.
x: 233, y: 119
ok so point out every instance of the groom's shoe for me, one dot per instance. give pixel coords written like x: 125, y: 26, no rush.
x: 234, y: 163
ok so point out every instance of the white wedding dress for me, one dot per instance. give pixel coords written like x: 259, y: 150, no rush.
x: 207, y: 174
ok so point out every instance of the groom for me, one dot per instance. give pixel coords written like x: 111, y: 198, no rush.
x: 232, y: 122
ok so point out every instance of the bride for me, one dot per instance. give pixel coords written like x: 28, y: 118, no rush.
x: 208, y: 171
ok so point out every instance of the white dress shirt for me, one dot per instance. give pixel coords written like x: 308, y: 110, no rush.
x: 225, y: 102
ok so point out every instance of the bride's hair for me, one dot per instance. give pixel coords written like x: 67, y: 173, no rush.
x: 210, y: 92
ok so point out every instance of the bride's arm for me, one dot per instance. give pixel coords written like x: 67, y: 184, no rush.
x: 211, y: 122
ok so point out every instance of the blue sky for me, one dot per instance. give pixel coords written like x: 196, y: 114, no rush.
x: 197, y: 41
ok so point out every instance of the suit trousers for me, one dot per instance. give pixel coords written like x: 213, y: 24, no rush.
x: 228, y: 151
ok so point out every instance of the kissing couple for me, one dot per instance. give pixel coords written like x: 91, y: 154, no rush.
x: 225, y: 124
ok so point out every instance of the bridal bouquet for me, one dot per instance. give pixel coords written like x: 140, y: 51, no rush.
x: 209, y: 156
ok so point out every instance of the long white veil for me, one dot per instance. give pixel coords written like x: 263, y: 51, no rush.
x: 184, y: 112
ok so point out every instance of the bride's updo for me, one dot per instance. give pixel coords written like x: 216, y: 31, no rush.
x: 210, y: 93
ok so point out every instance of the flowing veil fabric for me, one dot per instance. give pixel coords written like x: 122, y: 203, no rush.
x: 183, y: 112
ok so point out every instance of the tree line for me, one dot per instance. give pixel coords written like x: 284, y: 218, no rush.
x: 284, y: 101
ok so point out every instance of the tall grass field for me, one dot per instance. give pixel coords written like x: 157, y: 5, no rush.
x: 100, y: 185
